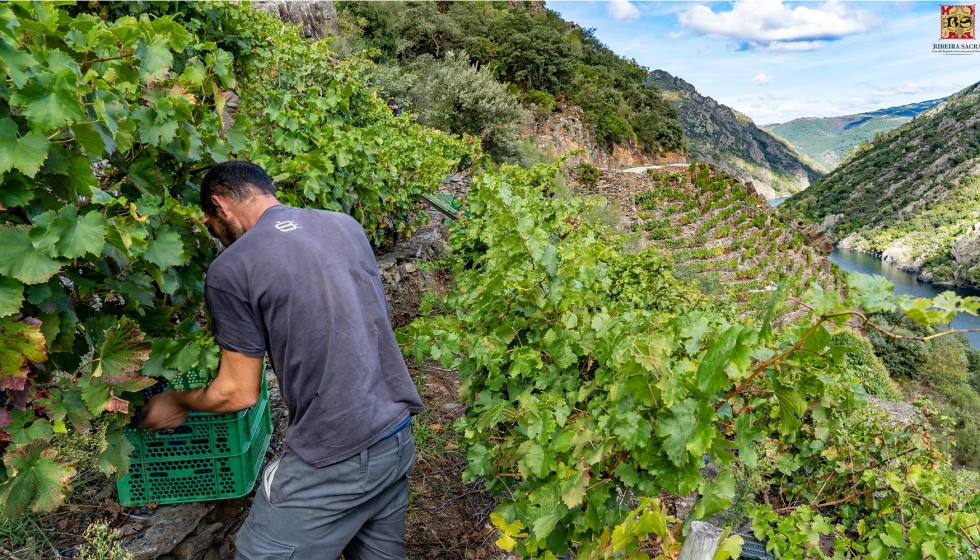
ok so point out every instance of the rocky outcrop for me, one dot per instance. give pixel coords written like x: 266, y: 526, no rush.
x: 317, y: 18
x: 814, y: 235
x: 563, y: 131
x: 721, y: 135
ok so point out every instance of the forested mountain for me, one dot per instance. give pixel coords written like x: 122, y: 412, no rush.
x: 913, y: 195
x: 486, y: 69
x: 829, y: 140
x: 720, y: 134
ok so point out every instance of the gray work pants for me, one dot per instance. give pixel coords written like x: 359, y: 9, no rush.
x: 355, y: 506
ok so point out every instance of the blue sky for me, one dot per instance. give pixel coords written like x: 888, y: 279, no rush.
x: 777, y: 61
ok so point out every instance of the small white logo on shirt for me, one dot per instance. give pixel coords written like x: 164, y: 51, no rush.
x: 288, y: 225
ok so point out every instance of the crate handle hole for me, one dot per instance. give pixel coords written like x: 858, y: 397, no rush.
x: 202, y: 471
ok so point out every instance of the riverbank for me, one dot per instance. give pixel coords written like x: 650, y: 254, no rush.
x: 906, y: 282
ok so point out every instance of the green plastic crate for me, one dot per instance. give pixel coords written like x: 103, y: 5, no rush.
x: 193, y: 480
x: 210, y: 457
x: 202, y: 435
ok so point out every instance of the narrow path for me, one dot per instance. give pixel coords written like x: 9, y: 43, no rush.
x: 642, y: 169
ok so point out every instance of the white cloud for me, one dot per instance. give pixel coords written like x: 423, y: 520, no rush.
x: 674, y: 35
x: 622, y: 10
x: 761, y: 79
x: 779, y: 46
x: 908, y: 88
x: 773, y: 25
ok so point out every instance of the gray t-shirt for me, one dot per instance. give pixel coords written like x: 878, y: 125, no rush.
x: 302, y: 284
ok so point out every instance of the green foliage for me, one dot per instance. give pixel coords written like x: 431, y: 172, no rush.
x: 901, y: 356
x: 596, y: 381
x: 109, y: 115
x: 588, y: 173
x: 102, y: 543
x: 547, y: 59
x: 456, y: 96
x: 866, y: 366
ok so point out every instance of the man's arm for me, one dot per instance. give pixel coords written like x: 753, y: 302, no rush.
x: 236, y: 387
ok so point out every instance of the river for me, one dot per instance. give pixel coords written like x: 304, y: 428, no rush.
x: 906, y: 283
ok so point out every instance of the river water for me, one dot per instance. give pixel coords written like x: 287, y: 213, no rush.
x: 906, y: 283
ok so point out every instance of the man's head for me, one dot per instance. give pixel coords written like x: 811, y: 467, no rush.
x: 392, y: 104
x: 233, y: 196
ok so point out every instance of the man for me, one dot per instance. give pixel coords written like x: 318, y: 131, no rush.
x: 395, y: 109
x: 302, y: 285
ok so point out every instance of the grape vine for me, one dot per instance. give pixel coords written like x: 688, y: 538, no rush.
x: 596, y: 381
x: 109, y: 115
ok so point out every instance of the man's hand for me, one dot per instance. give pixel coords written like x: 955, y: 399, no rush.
x: 165, y: 410
x: 237, y: 387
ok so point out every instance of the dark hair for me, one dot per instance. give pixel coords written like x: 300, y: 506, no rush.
x: 391, y: 102
x: 236, y: 179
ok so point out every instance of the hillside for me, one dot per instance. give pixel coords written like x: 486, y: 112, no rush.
x: 913, y: 196
x: 722, y: 236
x: 719, y: 134
x: 491, y: 69
x: 828, y: 140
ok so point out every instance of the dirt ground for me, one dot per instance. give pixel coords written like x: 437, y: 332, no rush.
x: 446, y: 518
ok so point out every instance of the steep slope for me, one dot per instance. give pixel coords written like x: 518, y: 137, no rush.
x: 719, y: 232
x: 913, y: 196
x: 828, y: 140
x: 721, y: 135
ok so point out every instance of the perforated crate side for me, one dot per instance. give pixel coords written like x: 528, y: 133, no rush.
x: 210, y: 436
x: 199, y: 479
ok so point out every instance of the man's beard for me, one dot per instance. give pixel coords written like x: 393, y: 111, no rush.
x: 226, y: 232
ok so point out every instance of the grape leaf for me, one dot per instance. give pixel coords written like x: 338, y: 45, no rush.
x: 17, y: 62
x: 686, y: 427
x: 166, y: 249
x: 871, y: 292
x: 114, y: 454
x: 711, y: 373
x: 715, y: 495
x: 25, y: 427
x: 11, y: 296
x: 792, y: 405
x: 155, y: 58
x: 122, y: 354
x: 21, y: 260
x: 49, y: 103
x: 729, y: 548
x: 88, y: 138
x: 75, y: 408
x: 25, y: 153
x: 69, y: 236
x: 17, y: 190
x: 95, y: 395
x: 153, y: 132
x: 39, y: 482
x: 19, y: 340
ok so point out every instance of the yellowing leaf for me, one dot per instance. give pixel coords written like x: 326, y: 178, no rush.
x: 39, y: 482
x: 122, y: 354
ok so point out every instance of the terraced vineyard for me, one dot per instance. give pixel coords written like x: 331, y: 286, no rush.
x: 723, y: 235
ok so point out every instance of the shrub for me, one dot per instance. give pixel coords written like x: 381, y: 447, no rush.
x: 588, y: 173
x: 455, y: 96
x: 901, y: 357
x: 867, y: 367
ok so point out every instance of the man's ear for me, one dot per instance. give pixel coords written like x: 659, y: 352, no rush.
x: 222, y: 203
